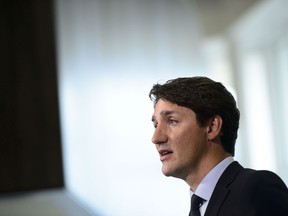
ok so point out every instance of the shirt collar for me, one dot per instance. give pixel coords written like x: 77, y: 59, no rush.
x: 207, y: 185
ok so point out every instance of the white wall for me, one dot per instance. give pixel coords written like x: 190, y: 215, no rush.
x: 110, y: 54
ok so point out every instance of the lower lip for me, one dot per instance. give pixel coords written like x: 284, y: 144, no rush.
x: 165, y: 157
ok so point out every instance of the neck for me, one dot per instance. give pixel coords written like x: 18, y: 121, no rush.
x: 206, y: 164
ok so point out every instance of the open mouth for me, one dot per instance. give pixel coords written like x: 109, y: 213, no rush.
x: 165, y: 154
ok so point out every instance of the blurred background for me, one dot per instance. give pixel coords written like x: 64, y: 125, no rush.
x: 75, y: 117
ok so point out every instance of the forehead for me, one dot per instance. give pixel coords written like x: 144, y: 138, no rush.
x: 165, y: 108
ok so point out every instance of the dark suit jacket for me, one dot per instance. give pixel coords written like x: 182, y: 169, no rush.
x: 247, y: 192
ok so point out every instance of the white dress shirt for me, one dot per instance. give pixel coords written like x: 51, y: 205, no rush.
x: 207, y: 185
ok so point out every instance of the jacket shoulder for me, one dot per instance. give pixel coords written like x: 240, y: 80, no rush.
x: 251, y: 192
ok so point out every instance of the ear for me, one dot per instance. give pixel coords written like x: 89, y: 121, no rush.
x: 214, y: 127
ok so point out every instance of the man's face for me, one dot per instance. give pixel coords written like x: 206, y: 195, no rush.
x: 180, y: 141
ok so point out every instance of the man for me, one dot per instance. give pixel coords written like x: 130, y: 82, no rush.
x: 196, y: 122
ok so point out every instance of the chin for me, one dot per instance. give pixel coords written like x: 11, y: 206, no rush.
x: 168, y: 171
x: 168, y: 174
x: 165, y: 171
x: 172, y: 172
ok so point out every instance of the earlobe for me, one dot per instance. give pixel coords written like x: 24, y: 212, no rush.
x: 214, y: 127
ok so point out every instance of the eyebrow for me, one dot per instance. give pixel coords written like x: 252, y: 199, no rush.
x: 165, y: 113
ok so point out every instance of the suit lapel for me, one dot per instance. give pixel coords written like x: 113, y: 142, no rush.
x: 221, y: 190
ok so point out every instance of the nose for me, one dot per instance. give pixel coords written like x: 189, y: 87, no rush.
x: 159, y: 135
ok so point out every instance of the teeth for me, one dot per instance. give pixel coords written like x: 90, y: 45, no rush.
x: 165, y: 153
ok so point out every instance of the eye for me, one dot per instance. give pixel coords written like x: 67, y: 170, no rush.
x: 172, y: 122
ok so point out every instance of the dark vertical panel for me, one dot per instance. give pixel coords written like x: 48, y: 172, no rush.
x: 30, y: 152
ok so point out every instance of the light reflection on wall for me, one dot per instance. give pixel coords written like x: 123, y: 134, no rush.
x: 258, y: 109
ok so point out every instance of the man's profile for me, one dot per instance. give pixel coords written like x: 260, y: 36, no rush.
x: 196, y: 122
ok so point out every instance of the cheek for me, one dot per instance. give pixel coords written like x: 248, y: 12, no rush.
x: 184, y: 144
x: 190, y: 143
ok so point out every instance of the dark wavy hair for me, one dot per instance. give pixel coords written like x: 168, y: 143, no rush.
x: 206, y: 98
